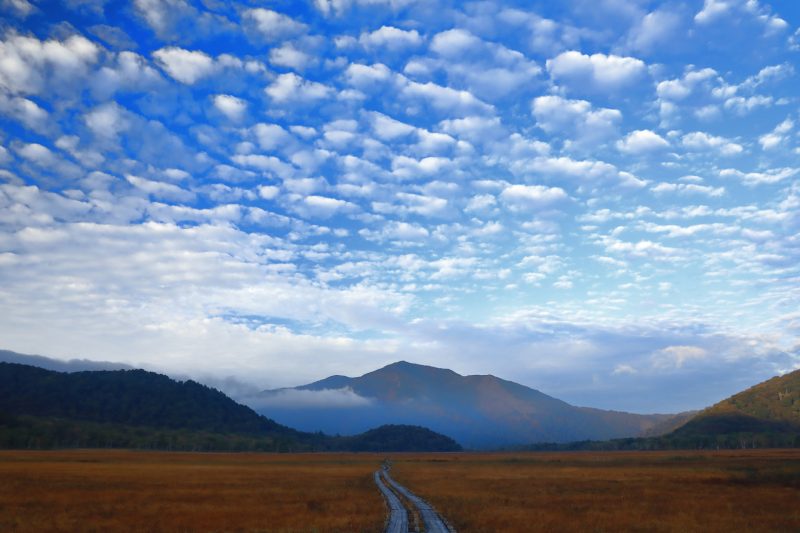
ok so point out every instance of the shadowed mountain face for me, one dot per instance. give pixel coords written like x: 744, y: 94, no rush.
x: 478, y: 411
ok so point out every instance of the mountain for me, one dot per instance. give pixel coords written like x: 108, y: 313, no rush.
x: 767, y: 412
x: 766, y: 415
x: 73, y: 365
x: 478, y: 411
x: 134, y: 408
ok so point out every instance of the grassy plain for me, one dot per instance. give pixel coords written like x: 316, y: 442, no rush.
x: 752, y: 490
x: 95, y: 490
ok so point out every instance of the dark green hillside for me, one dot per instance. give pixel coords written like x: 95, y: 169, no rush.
x: 128, y: 397
x: 400, y: 438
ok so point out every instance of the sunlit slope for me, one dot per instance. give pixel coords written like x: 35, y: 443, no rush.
x: 769, y: 407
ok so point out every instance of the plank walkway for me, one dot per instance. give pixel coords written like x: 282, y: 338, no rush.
x: 398, y: 516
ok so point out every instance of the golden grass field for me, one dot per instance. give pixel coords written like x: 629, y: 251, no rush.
x: 91, y: 490
x: 726, y: 491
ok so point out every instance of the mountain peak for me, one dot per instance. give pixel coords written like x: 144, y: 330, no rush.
x: 406, y: 366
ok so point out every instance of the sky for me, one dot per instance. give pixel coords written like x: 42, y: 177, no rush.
x: 598, y: 199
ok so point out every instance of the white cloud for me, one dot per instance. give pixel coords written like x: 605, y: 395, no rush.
x: 680, y: 88
x: 107, y: 120
x: 575, y: 118
x: 26, y: 111
x: 794, y: 41
x: 481, y: 202
x: 712, y: 9
x: 388, y: 129
x: 523, y: 198
x: 642, y: 141
x: 642, y: 249
x: 598, y: 71
x: 338, y: 7
x: 742, y: 105
x: 129, y: 72
x: 767, y: 177
x: 270, y: 136
x: 454, y: 43
x: 701, y: 141
x: 185, y: 66
x: 488, y: 69
x: 677, y: 356
x: 265, y: 163
x: 272, y: 26
x: 688, y: 188
x: 398, y: 232
x: 291, y: 88
x: 28, y: 65
x: 366, y: 77
x: 777, y: 136
x: 173, y: 20
x: 21, y: 8
x: 593, y: 173
x: 159, y: 189
x: 408, y: 168
x: 232, y: 107
x: 716, y: 10
x: 46, y: 159
x: 424, y: 205
x: 445, y: 99
x: 289, y: 56
x: 302, y: 398
x: 622, y: 369
x: 654, y: 30
x: 268, y: 192
x: 391, y: 38
x: 324, y: 207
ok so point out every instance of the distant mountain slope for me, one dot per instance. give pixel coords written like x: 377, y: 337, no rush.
x: 73, y: 365
x: 766, y: 415
x: 478, y: 411
x: 772, y: 406
x: 133, y: 408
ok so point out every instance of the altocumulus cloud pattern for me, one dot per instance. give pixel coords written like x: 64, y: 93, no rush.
x: 598, y: 198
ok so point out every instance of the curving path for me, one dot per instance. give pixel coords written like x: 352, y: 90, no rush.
x: 433, y: 522
x: 398, y: 517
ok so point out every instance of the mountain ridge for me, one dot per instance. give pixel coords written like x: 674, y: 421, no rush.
x: 41, y: 408
x: 481, y: 411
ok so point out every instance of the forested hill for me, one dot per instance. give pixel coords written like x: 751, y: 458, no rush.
x: 130, y: 397
x: 770, y: 408
x: 137, y: 409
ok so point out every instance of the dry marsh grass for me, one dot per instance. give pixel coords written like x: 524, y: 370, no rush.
x: 610, y: 491
x: 594, y: 491
x: 141, y: 491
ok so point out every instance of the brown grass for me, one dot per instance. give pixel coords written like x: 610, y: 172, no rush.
x: 139, y: 491
x: 610, y: 491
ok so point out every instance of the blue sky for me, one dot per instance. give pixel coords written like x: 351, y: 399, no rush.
x: 596, y: 199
